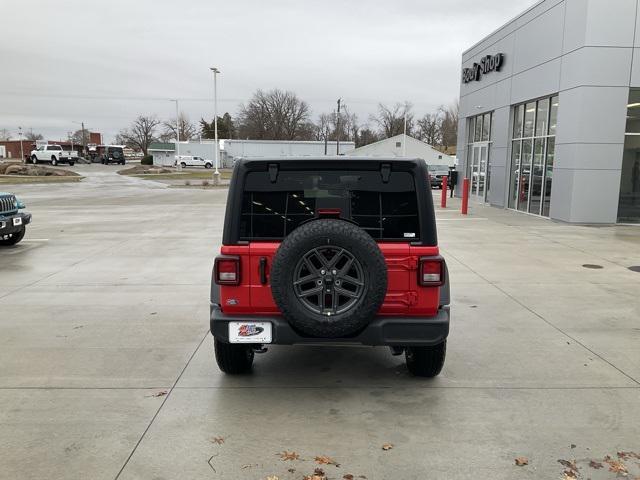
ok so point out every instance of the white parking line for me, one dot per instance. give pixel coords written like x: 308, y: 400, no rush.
x: 36, y: 240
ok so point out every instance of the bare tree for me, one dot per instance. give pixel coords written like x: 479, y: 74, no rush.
x: 140, y: 134
x: 390, y: 120
x: 187, y: 129
x: 324, y: 127
x: 429, y: 128
x: 449, y: 124
x: 32, y: 137
x: 366, y: 136
x: 275, y: 115
x: 5, y: 135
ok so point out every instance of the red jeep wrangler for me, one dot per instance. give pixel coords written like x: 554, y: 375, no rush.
x: 330, y: 250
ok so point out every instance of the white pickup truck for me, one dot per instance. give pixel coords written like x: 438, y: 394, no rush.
x: 53, y: 154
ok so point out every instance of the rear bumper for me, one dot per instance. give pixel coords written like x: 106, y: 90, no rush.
x: 7, y: 223
x: 389, y: 331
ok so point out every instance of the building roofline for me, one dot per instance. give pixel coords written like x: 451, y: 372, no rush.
x: 503, y: 26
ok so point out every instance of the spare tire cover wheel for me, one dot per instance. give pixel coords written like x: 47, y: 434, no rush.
x: 328, y: 278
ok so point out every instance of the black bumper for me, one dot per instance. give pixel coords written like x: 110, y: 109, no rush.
x: 387, y: 330
x: 7, y: 223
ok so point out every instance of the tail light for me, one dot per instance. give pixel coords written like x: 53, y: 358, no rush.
x: 431, y: 272
x: 227, y: 270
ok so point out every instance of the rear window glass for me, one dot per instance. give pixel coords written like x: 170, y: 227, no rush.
x: 387, y: 211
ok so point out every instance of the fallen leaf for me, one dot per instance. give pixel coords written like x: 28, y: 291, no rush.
x: 362, y: 476
x: 617, y: 467
x: 347, y: 476
x: 217, y: 440
x: 569, y: 475
x: 522, y: 461
x: 387, y: 446
x: 288, y: 456
x: 325, y: 460
x: 161, y: 393
x: 291, y: 470
x: 315, y: 477
x: 573, y: 445
x: 596, y: 465
x: 628, y: 455
x: 571, y: 465
x: 249, y: 465
x: 273, y: 477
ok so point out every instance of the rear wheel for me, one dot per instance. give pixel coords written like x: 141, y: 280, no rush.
x: 54, y: 161
x: 426, y: 361
x: 12, y: 238
x: 34, y: 159
x: 207, y: 165
x: 233, y: 358
x: 71, y: 164
x: 183, y: 165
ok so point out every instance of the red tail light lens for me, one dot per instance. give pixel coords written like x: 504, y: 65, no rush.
x: 431, y: 272
x: 227, y: 270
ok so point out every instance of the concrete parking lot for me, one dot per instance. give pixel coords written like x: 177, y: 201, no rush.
x: 104, y: 307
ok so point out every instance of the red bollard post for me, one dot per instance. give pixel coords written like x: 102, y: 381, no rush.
x: 443, y: 199
x: 465, y: 196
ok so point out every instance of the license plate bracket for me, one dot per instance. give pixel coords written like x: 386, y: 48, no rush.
x: 250, y: 332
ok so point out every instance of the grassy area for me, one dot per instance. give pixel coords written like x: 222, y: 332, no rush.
x: 18, y: 180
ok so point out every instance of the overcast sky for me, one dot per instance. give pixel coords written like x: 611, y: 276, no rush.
x: 105, y: 62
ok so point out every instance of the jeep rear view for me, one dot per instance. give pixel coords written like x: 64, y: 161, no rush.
x: 334, y: 251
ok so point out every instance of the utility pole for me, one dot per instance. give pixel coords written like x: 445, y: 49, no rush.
x: 404, y: 135
x: 216, y: 173
x: 178, y: 164
x: 84, y: 141
x: 338, y: 128
x: 21, y: 150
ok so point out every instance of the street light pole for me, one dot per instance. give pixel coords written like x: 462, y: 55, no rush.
x: 178, y: 164
x: 21, y: 150
x: 338, y: 128
x: 404, y: 136
x: 216, y: 173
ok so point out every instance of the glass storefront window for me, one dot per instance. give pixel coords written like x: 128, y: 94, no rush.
x: 515, y: 167
x: 629, y: 199
x: 486, y: 127
x: 548, y: 175
x: 518, y: 120
x: 542, y: 118
x: 529, y: 116
x: 478, y: 129
x: 553, y: 117
x: 532, y: 155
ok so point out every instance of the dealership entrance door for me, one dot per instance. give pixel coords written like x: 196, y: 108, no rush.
x: 480, y: 171
x: 479, y: 156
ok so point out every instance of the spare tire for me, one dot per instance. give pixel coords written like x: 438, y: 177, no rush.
x: 328, y: 278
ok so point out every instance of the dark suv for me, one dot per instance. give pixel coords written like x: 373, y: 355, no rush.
x: 335, y: 251
x: 112, y: 155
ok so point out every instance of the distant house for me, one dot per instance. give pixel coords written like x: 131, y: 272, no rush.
x: 414, y: 148
x: 163, y: 153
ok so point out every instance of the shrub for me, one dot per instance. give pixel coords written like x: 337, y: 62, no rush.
x: 147, y: 160
x: 187, y: 183
x: 205, y: 183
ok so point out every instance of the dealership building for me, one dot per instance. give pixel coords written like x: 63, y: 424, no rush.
x: 550, y: 113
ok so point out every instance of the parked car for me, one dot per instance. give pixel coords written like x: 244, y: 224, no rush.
x: 112, y: 154
x: 13, y: 223
x: 189, y: 161
x: 53, y: 154
x: 436, y: 172
x: 330, y: 251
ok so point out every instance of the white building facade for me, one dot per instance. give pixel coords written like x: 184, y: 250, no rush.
x: 550, y: 112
